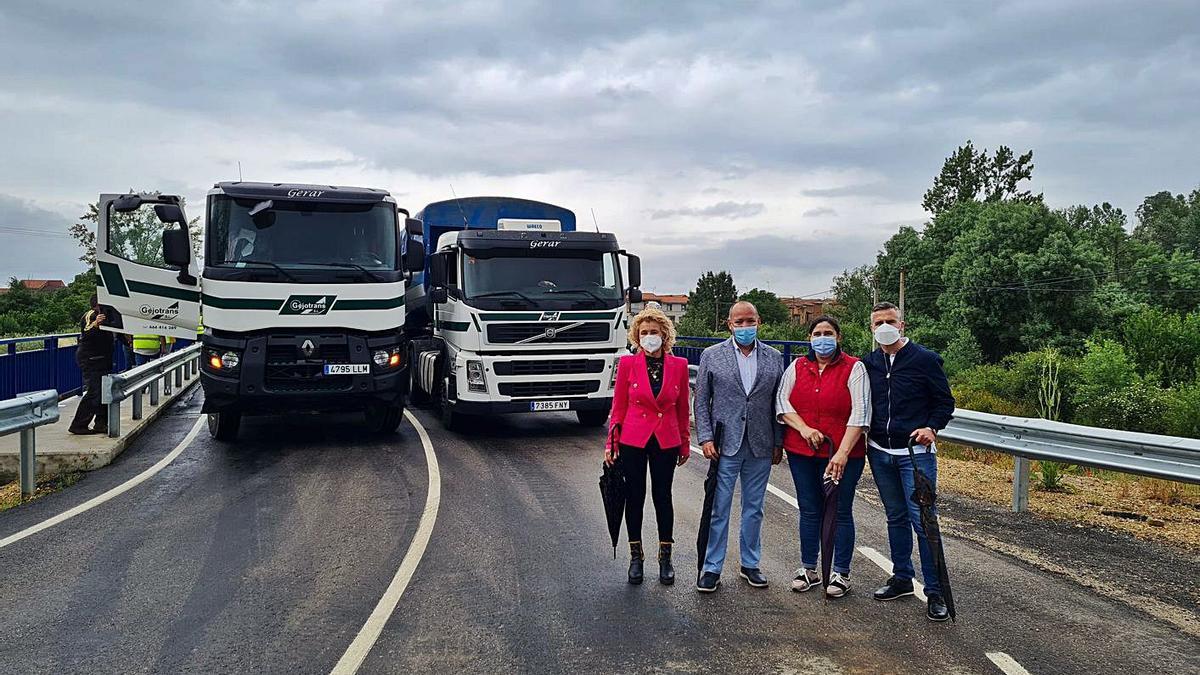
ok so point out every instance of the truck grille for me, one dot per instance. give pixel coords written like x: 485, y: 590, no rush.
x: 508, y: 333
x: 288, y: 370
x: 546, y: 389
x: 549, y: 367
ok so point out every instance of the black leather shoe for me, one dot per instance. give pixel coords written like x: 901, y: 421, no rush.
x: 708, y: 582
x: 82, y: 432
x: 895, y: 588
x: 666, y: 571
x: 936, y: 611
x: 754, y: 577
x: 636, y: 559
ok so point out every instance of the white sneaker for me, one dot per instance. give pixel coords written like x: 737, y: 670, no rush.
x: 838, y: 585
x: 805, y: 579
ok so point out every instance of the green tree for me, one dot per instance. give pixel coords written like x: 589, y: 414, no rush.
x: 1171, y: 221
x: 968, y: 175
x: 771, y: 309
x: 709, y: 302
x: 135, y: 235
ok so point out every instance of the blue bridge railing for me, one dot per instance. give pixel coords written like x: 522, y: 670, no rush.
x: 48, y: 362
x: 791, y: 349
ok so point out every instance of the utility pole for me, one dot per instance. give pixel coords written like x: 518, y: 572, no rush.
x: 874, y: 301
x: 903, y: 272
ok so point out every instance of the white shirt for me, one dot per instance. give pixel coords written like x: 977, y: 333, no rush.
x: 747, y: 365
x: 918, y: 448
x: 860, y: 395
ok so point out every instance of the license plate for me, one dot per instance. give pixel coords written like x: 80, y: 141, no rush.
x: 540, y: 406
x: 347, y: 368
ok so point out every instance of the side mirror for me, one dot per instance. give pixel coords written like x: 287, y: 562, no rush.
x: 414, y: 256
x: 414, y: 227
x: 635, y: 295
x: 169, y: 213
x: 438, y: 295
x: 126, y: 203
x: 635, y: 271
x: 437, y: 270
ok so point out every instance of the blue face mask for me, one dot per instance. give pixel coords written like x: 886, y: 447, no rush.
x: 824, y: 345
x: 745, y: 336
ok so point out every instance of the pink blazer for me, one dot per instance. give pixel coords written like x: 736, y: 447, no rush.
x: 638, y: 414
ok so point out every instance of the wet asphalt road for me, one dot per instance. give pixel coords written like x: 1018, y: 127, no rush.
x: 268, y: 556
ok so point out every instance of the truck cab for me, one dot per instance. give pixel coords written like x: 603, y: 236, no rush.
x: 301, y: 291
x: 517, y: 311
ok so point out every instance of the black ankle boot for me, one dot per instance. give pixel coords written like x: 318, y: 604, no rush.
x: 666, y: 572
x: 635, y: 562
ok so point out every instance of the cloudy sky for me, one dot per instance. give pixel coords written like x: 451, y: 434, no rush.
x: 783, y: 141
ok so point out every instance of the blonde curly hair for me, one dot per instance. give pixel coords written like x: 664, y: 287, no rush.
x: 665, y: 326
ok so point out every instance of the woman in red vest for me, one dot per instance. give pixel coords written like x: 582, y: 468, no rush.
x: 649, y: 427
x: 825, y: 395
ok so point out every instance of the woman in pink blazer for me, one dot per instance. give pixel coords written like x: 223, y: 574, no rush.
x: 649, y: 427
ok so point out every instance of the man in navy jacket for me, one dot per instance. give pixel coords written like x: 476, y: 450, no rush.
x: 910, y: 398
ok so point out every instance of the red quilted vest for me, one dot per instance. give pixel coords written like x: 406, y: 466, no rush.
x: 823, y: 401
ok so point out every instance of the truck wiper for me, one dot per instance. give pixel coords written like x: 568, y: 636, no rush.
x: 371, y: 275
x: 577, y: 290
x: 496, y: 294
x: 268, y: 264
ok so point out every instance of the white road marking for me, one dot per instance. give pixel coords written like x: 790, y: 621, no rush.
x: 357, y: 652
x: 118, y: 490
x: 886, y: 565
x: 1006, y: 663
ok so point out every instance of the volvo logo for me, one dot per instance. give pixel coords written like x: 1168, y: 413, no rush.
x: 550, y: 333
x: 308, y: 348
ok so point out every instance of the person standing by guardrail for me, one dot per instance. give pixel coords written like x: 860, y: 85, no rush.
x: 745, y: 377
x: 910, y: 399
x: 146, y: 348
x: 95, y: 357
x: 649, y: 426
x: 825, y: 395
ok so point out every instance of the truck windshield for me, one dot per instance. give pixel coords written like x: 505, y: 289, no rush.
x: 299, y: 234
x: 590, y: 281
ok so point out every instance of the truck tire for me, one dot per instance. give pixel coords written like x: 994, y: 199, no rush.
x: 451, y: 420
x: 592, y: 418
x: 384, y: 419
x: 223, y: 426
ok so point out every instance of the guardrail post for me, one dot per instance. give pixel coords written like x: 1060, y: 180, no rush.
x: 137, y: 404
x: 178, y: 376
x: 166, y: 380
x: 1020, y: 497
x: 28, y: 462
x: 154, y: 392
x: 114, y: 419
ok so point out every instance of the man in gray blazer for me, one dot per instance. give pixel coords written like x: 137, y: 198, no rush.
x: 745, y: 374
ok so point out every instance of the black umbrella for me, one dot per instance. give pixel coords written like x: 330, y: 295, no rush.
x: 925, y: 496
x: 828, y: 522
x: 710, y: 486
x: 612, y: 493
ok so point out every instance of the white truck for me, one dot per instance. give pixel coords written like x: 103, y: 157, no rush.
x: 517, y: 311
x: 301, y: 292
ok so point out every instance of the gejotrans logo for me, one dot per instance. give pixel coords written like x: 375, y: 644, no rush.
x: 308, y: 305
x: 159, y: 313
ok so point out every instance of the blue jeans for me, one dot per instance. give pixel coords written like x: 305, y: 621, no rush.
x: 754, y: 472
x: 893, y: 474
x: 142, y: 359
x: 808, y: 474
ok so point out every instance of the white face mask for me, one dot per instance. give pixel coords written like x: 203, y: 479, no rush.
x: 887, y: 334
x: 650, y: 343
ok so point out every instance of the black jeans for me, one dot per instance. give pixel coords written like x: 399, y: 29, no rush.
x: 633, y: 462
x: 89, y: 403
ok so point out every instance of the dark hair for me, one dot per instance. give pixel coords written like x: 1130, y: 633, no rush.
x: 94, y: 300
x: 824, y: 318
x: 881, y: 306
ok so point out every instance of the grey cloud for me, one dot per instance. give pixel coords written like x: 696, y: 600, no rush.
x: 36, y: 244
x: 819, y: 211
x: 728, y: 210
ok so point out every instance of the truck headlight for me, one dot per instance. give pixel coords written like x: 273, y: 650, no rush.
x: 385, y: 359
x: 475, y: 381
x: 230, y: 360
x: 380, y: 358
x: 218, y: 361
x: 612, y: 380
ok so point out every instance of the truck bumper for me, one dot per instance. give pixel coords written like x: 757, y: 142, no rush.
x: 524, y: 406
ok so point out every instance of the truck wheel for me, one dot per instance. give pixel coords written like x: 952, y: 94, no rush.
x: 450, y: 419
x: 384, y: 419
x: 592, y: 418
x: 223, y: 426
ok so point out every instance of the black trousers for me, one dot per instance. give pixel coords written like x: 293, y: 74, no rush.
x: 89, y: 403
x: 634, y: 462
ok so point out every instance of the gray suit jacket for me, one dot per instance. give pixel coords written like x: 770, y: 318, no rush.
x: 742, y: 414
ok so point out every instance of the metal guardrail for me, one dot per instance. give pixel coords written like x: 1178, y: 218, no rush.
x: 789, y: 348
x: 171, y: 370
x: 22, y: 415
x: 1026, y: 439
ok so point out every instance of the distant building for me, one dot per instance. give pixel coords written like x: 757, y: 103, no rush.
x: 41, y: 285
x: 673, y: 306
x: 803, y: 310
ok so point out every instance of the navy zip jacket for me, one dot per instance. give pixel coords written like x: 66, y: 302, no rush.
x: 910, y: 393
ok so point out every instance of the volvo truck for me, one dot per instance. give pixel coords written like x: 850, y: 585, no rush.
x: 517, y: 311
x: 301, y: 292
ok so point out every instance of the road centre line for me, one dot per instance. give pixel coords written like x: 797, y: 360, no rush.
x: 1006, y: 663
x: 114, y: 492
x: 357, y: 652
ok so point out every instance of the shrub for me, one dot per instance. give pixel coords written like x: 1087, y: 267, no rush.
x: 1105, y: 368
x: 1050, y: 476
x: 1182, y: 414
x: 1138, y: 407
x: 969, y: 398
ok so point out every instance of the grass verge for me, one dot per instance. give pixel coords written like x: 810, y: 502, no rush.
x: 10, y: 493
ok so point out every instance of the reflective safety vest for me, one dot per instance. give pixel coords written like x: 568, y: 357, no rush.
x: 147, y: 343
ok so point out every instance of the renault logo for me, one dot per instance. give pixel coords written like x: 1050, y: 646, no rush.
x: 308, y: 348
